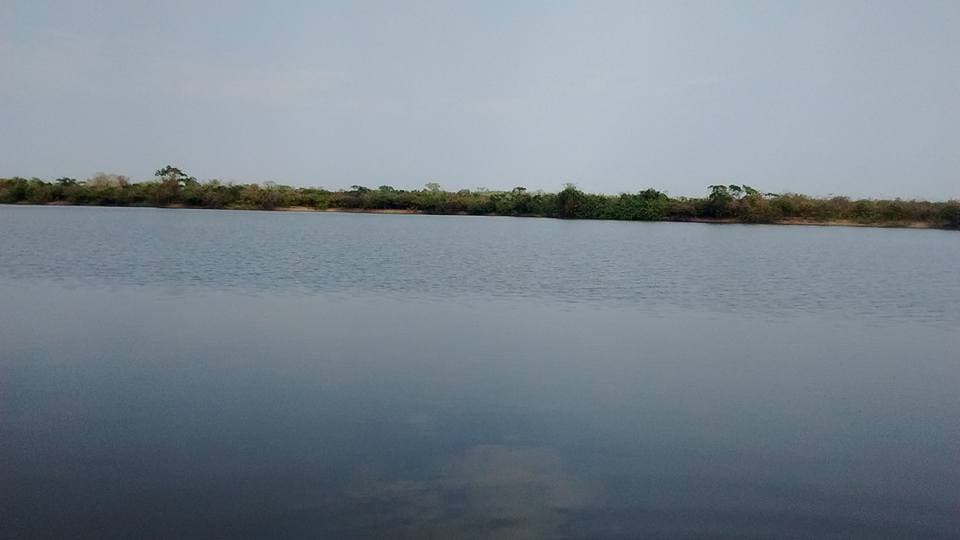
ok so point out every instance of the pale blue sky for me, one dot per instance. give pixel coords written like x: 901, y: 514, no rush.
x: 858, y: 98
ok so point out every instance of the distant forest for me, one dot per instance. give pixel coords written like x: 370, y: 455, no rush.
x: 723, y: 202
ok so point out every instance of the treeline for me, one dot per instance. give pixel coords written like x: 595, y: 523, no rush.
x: 737, y: 203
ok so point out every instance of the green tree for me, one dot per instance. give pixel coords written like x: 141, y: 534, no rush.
x: 571, y: 202
x: 171, y: 180
x: 173, y: 174
x: 720, y: 201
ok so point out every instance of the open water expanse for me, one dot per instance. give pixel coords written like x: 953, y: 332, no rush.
x: 195, y: 373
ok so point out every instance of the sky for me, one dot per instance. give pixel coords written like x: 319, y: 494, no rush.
x: 817, y: 97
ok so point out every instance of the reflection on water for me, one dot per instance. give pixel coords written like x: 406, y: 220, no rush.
x: 217, y: 374
x: 489, y: 491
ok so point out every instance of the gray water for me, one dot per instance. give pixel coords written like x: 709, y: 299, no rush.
x: 190, y: 373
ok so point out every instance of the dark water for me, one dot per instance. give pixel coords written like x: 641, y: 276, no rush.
x: 179, y: 373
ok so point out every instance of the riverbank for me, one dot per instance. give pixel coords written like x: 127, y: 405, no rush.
x: 713, y: 221
x: 723, y: 203
x: 387, y: 211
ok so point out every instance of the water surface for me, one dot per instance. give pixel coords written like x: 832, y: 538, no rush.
x: 180, y: 373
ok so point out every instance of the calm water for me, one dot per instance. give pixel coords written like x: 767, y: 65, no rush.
x: 180, y: 373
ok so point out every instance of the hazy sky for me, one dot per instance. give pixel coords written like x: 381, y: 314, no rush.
x: 858, y: 98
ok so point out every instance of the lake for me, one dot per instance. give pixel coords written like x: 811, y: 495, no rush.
x: 195, y: 373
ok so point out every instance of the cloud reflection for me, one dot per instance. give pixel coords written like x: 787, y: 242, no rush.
x: 491, y: 491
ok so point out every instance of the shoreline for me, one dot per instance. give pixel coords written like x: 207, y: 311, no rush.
x: 412, y: 212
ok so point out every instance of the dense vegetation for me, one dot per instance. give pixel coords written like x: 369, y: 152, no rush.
x: 172, y: 187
